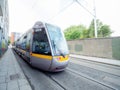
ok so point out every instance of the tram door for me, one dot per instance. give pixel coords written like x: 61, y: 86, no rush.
x: 41, y: 49
x: 28, y: 43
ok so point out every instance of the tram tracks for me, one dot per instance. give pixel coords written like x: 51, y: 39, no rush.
x: 89, y: 78
x: 78, y: 74
x: 107, y: 68
x: 53, y: 79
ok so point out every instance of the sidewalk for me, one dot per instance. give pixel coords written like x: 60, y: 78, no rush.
x: 96, y: 59
x: 11, y: 75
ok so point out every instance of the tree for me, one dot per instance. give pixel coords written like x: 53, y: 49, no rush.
x: 80, y: 31
x: 9, y: 40
x: 103, y: 30
x: 75, y: 32
x: 85, y: 34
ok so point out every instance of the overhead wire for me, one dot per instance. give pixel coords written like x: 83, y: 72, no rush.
x: 62, y: 10
x: 84, y: 8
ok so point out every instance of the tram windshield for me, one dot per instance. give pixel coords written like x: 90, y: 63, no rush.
x: 58, y: 41
x: 40, y: 42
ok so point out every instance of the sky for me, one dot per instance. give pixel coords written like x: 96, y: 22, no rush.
x: 64, y: 13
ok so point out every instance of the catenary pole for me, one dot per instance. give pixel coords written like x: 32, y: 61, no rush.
x: 93, y: 14
x: 95, y: 23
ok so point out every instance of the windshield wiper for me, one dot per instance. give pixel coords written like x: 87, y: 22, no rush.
x: 55, y: 46
x: 61, y: 53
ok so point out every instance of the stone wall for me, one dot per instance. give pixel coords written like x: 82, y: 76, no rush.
x: 98, y: 47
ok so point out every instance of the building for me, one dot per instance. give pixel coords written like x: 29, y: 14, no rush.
x: 14, y: 36
x: 4, y: 26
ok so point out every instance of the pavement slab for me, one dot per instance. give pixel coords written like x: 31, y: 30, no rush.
x: 11, y: 75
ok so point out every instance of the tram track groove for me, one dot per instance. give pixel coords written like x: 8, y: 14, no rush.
x: 97, y: 63
x: 93, y: 64
x: 50, y: 76
x: 89, y: 78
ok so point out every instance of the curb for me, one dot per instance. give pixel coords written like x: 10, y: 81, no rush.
x: 96, y: 59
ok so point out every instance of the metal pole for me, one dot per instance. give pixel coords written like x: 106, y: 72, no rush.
x: 95, y: 23
x: 93, y: 14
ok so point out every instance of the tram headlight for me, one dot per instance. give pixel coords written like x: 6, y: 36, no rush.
x: 57, y: 58
x: 61, y: 58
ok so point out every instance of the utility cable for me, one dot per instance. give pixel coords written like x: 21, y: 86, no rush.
x: 84, y: 8
x: 62, y: 10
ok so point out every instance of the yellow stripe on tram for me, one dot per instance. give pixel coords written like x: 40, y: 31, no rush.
x: 41, y: 56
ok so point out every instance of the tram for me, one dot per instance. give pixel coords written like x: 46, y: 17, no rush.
x: 44, y: 46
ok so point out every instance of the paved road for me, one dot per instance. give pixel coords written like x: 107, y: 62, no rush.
x: 75, y: 77
x: 103, y: 73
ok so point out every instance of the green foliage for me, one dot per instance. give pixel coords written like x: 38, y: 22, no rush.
x: 9, y: 40
x: 74, y: 32
x: 103, y: 30
x: 91, y: 30
x: 80, y: 31
x: 85, y: 34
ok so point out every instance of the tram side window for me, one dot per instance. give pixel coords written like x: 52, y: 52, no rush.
x: 17, y: 43
x: 40, y: 42
x: 28, y: 42
x: 20, y: 43
x: 23, y: 45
